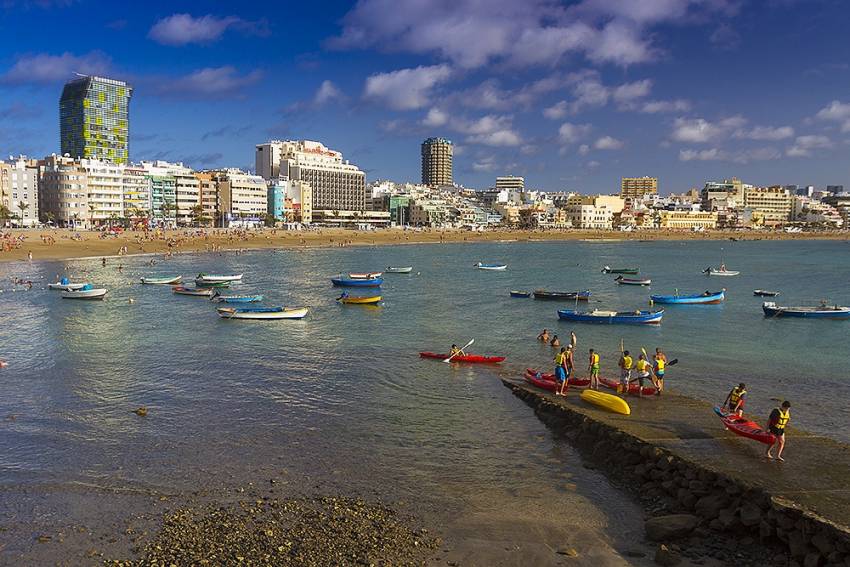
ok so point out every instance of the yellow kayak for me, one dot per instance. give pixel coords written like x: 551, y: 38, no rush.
x: 606, y: 401
x: 360, y: 300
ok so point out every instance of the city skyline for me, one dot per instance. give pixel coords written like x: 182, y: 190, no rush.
x: 570, y: 96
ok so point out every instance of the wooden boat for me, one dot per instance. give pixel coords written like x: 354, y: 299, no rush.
x: 603, y: 316
x: 627, y: 271
x: 703, y: 298
x: 630, y: 281
x: 765, y: 293
x: 474, y: 358
x: 823, y: 311
x: 518, y: 293
x: 202, y: 291
x: 722, y: 271
x: 218, y: 298
x: 354, y: 282
x: 212, y: 278
x: 85, y: 292
x: 609, y: 402
x: 562, y: 295
x: 262, y: 313
x: 204, y: 283
x: 365, y: 275
x: 744, y: 427
x: 399, y: 269
x: 66, y: 285
x: 493, y: 267
x: 367, y: 300
x: 161, y: 281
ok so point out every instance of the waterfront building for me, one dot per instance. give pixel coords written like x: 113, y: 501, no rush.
x: 510, y: 183
x: 636, y: 188
x: 593, y: 212
x: 187, y: 197
x: 399, y: 208
x: 432, y: 213
x: 841, y: 203
x: 210, y: 201
x: 243, y: 196
x: 770, y: 205
x: 336, y: 184
x: 834, y: 189
x: 94, y: 119
x: 437, y: 156
x: 137, y: 194
x: 687, y: 220
x: 812, y: 211
x: 723, y: 195
x: 290, y: 201
x: 63, y: 192
x: 105, y: 191
x: 19, y: 181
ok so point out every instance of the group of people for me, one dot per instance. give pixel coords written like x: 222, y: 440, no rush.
x: 776, y: 422
x: 644, y: 371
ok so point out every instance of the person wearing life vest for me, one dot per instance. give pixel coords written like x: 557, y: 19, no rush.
x: 593, y: 368
x: 625, y: 365
x: 660, y: 367
x: 644, y: 372
x: 736, y: 399
x: 776, y: 424
x: 561, y: 370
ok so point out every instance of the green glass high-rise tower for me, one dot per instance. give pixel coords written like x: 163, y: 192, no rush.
x: 94, y: 119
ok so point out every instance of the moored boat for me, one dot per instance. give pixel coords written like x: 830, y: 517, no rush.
x: 603, y: 316
x: 218, y: 298
x: 744, y: 427
x: 474, y: 358
x: 706, y: 297
x: 823, y: 311
x: 161, y: 281
x: 609, y: 402
x: 399, y: 269
x: 493, y: 267
x: 519, y: 293
x: 85, y: 292
x: 721, y: 271
x: 627, y: 271
x: 202, y: 292
x: 632, y: 281
x: 362, y: 300
x: 765, y: 293
x: 66, y: 285
x: 562, y: 295
x: 365, y: 275
x: 354, y: 282
x: 212, y: 278
x: 205, y: 283
x: 262, y: 313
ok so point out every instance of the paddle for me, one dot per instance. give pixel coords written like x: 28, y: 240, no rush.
x: 459, y: 351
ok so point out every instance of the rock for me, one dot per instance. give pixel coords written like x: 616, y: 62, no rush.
x: 673, y: 526
x: 750, y: 514
x: 634, y: 553
x: 709, y: 507
x: 665, y: 557
x: 727, y: 519
x: 813, y: 560
x: 823, y: 543
x: 797, y: 544
x: 141, y: 412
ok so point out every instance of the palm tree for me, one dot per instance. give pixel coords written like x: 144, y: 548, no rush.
x: 92, y: 209
x: 5, y: 214
x: 23, y: 206
x: 197, y: 213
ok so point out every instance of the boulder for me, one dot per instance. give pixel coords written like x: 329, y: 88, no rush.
x: 709, y: 506
x: 765, y: 530
x: 813, y: 560
x: 665, y: 557
x: 797, y: 544
x: 727, y: 518
x: 823, y: 543
x: 671, y: 527
x: 750, y: 514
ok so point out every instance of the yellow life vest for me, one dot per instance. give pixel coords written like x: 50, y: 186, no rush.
x: 659, y: 364
x: 594, y: 360
x: 642, y: 365
x: 736, y: 395
x: 560, y: 358
x: 627, y: 362
x: 784, y: 417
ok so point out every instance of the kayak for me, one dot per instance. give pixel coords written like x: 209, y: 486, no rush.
x: 745, y: 427
x: 547, y: 381
x: 633, y: 387
x: 609, y: 402
x: 474, y: 358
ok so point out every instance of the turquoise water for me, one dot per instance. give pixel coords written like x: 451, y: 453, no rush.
x: 343, y: 393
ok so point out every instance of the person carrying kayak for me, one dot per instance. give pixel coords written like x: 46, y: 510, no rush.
x: 625, y: 365
x: 776, y: 424
x: 544, y: 336
x: 561, y: 370
x: 736, y: 399
x: 644, y: 372
x: 593, y: 368
x: 659, y: 368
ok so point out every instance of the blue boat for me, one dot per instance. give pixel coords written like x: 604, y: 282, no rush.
x: 693, y: 299
x: 358, y: 282
x: 516, y: 293
x: 603, y: 316
x: 236, y: 298
x: 824, y: 311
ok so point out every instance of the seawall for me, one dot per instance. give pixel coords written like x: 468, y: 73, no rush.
x: 677, y: 457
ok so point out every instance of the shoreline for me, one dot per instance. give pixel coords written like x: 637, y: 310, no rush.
x: 91, y: 245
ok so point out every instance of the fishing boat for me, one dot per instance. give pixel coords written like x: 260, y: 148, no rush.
x: 519, y: 293
x: 213, y: 278
x: 262, y: 313
x: 354, y: 282
x: 65, y: 285
x: 765, y: 293
x: 603, y: 316
x: 399, y: 269
x: 85, y: 292
x: 474, y: 358
x: 362, y: 300
x: 823, y: 311
x: 562, y: 295
x: 205, y: 283
x: 218, y: 298
x: 492, y: 267
x: 627, y: 271
x: 548, y: 382
x: 721, y: 271
x: 161, y: 281
x: 631, y: 281
x: 365, y: 275
x: 744, y: 427
x: 609, y: 402
x: 199, y: 291
x: 704, y: 298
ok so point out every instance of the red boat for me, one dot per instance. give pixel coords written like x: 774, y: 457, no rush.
x: 633, y: 387
x: 745, y: 427
x: 475, y: 358
x: 547, y: 381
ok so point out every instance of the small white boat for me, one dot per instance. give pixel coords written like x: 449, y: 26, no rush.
x: 66, y: 286
x: 494, y: 267
x: 84, y: 293
x: 399, y: 270
x: 722, y: 271
x: 161, y: 281
x: 632, y: 281
x: 262, y: 313
x: 203, y: 291
x: 365, y: 275
x: 216, y: 278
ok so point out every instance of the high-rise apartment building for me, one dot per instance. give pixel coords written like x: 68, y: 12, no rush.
x: 63, y: 191
x: 105, y: 191
x: 210, y: 205
x: 243, y: 196
x: 94, y: 119
x: 137, y: 194
x: 336, y: 184
x: 19, y: 189
x: 638, y: 187
x: 510, y: 183
x: 437, y: 162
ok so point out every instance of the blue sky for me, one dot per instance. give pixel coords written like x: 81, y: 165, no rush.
x: 572, y: 95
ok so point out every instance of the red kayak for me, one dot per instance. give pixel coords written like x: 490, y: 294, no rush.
x: 476, y: 358
x: 547, y: 381
x: 744, y: 427
x: 633, y: 387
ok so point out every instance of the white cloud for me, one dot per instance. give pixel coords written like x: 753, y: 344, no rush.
x: 768, y: 133
x: 588, y: 90
x: 803, y: 145
x: 435, y: 118
x: 725, y: 38
x: 622, y: 44
x: 701, y: 155
x: 486, y: 163
x: 183, y: 29
x: 556, y: 111
x: 700, y: 131
x: 490, y: 130
x: 631, y: 91
x: 583, y: 149
x: 210, y: 82
x: 608, y: 143
x: 742, y: 157
x: 836, y: 111
x: 570, y: 133
x: 46, y: 68
x: 328, y: 92
x: 406, y: 89
x: 660, y: 106
x: 592, y: 164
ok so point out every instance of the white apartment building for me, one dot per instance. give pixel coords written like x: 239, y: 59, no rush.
x: 243, y: 196
x: 137, y: 193
x: 105, y: 191
x: 594, y: 213
x: 773, y: 205
x: 19, y: 190
x: 63, y: 191
x: 510, y: 183
x: 187, y: 191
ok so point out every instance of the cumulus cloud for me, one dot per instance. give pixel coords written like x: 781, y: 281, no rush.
x: 768, y: 133
x: 327, y: 92
x: 210, y: 82
x: 183, y: 29
x: 662, y: 106
x: 803, y: 145
x: 836, y: 111
x: 742, y: 157
x: 608, y: 143
x: 44, y: 68
x: 570, y: 133
x: 725, y: 38
x: 630, y: 91
x: 435, y: 118
x: 485, y: 164
x: 490, y: 130
x: 556, y: 111
x: 590, y: 92
x: 700, y: 131
x: 406, y: 89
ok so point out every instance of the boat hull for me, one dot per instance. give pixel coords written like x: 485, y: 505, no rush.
x: 161, y: 281
x: 627, y: 281
x: 745, y: 427
x: 214, y: 278
x: 515, y: 293
x: 202, y: 292
x: 548, y: 382
x: 491, y: 267
x: 633, y: 387
x: 611, y: 317
x: 344, y: 282
x: 695, y: 299
x: 605, y: 401
x: 85, y: 294
x: 236, y: 298
x: 262, y: 315
x: 360, y: 300
x: 562, y: 295
x: 726, y: 273
x: 365, y: 275
x: 472, y: 358
x: 764, y: 293
x: 772, y: 310
x: 66, y: 287
x: 399, y: 270
x: 624, y: 271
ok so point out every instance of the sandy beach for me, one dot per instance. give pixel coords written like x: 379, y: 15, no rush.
x: 67, y: 244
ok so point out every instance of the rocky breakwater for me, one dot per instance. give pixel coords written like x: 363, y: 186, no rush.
x: 695, y: 510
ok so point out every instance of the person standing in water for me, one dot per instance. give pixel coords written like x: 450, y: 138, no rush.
x: 544, y: 336
x: 658, y: 369
x: 777, y: 422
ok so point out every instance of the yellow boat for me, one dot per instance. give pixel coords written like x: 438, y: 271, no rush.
x: 371, y: 300
x: 606, y: 401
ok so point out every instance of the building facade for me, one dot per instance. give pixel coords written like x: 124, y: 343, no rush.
x: 437, y: 155
x: 19, y: 180
x: 243, y: 197
x: 210, y: 201
x: 94, y: 119
x: 770, y: 205
x: 638, y: 187
x: 137, y: 194
x: 63, y: 192
x: 687, y: 220
x: 510, y: 183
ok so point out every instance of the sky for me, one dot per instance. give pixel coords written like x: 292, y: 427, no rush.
x: 570, y: 95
